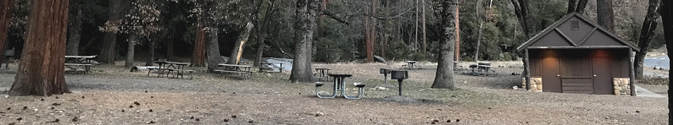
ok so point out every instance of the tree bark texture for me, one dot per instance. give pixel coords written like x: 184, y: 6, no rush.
x: 199, y: 53
x: 667, y: 21
x: 42, y: 64
x: 444, y: 74
x: 72, y: 46
x: 606, y: 15
x: 425, y: 44
x: 133, y: 39
x: 237, y: 52
x: 572, y: 5
x: 5, y: 12
x: 115, y: 12
x: 372, y: 33
x: 150, y: 61
x: 457, y: 46
x: 170, y: 47
x: 213, y: 50
x: 415, y: 46
x: 213, y: 56
x: 521, y: 11
x: 304, y: 28
x: 646, y: 34
x: 581, y: 5
x: 260, y: 49
x: 576, y: 6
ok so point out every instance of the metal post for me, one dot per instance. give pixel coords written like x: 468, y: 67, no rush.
x: 385, y: 78
x: 400, y: 85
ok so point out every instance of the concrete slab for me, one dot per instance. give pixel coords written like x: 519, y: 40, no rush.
x: 642, y: 92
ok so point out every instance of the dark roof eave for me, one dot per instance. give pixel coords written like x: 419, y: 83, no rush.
x: 563, y: 19
x: 579, y: 47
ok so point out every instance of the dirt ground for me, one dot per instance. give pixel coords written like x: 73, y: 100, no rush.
x: 112, y: 95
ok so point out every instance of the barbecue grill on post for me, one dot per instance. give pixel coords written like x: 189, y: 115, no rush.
x: 385, y: 73
x: 400, y: 75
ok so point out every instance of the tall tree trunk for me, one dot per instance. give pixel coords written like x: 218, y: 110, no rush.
x: 667, y: 21
x: 170, y: 48
x: 576, y: 6
x: 262, y: 27
x: 260, y: 49
x: 444, y: 75
x: 212, y: 45
x: 415, y: 47
x: 572, y: 6
x: 368, y: 39
x: 521, y: 11
x: 133, y: 39
x: 481, y: 24
x: 425, y: 44
x: 5, y: 12
x: 373, y: 33
x: 646, y: 33
x: 235, y: 57
x: 150, y: 61
x: 115, y: 12
x: 42, y: 64
x: 199, y: 53
x: 581, y: 5
x: 213, y: 49
x: 304, y: 28
x: 457, y: 46
x: 605, y: 14
x: 72, y: 47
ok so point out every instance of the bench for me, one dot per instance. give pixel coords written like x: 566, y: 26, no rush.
x: 181, y: 73
x: 361, y: 91
x: 270, y: 66
x: 243, y: 74
x: 160, y: 71
x: 72, y: 66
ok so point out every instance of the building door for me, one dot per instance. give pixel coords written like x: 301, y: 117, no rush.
x: 602, y: 75
x: 551, y: 80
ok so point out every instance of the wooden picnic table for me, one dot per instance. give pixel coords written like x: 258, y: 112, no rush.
x: 167, y: 67
x: 269, y: 66
x: 73, y: 62
x: 234, y: 67
x: 243, y: 70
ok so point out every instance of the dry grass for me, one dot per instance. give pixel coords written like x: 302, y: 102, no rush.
x: 270, y: 99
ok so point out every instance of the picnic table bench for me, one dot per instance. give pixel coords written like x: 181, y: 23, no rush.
x: 340, y: 86
x: 167, y: 67
x: 234, y: 70
x: 78, y: 63
x: 322, y: 74
x: 266, y: 66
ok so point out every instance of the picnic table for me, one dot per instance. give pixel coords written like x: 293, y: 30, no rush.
x: 8, y: 57
x: 481, y: 68
x: 340, y: 86
x: 410, y: 65
x: 77, y: 62
x: 269, y: 66
x: 168, y: 67
x: 241, y: 70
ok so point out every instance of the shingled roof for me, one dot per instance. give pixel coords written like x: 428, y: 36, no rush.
x: 577, y: 43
